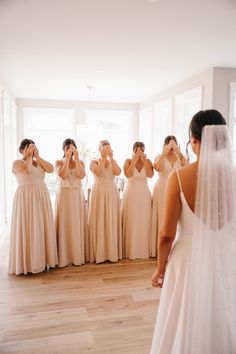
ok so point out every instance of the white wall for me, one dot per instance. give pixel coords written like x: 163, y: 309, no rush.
x: 222, y: 77
x: 204, y: 79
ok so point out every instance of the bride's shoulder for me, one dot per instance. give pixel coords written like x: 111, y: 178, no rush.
x: 189, y: 169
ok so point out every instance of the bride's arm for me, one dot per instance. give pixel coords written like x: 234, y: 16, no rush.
x: 168, y: 228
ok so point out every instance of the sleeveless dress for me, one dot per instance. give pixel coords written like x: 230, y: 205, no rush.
x: 33, y: 240
x: 71, y: 221
x: 104, y: 219
x: 170, y: 329
x: 136, y: 216
x: 158, y: 201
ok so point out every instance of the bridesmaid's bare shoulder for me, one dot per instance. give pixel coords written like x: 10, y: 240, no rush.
x: 18, y: 166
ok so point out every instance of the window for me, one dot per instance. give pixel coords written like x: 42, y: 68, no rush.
x: 49, y: 127
x: 162, y: 125
x: 7, y: 156
x: 114, y: 126
x: 145, y: 129
x: 187, y: 104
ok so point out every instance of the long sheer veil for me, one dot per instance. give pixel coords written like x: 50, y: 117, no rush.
x: 211, y: 314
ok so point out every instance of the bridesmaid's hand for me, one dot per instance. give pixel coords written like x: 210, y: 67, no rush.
x: 176, y: 149
x: 68, y: 154
x: 135, y: 157
x: 166, y: 149
x: 76, y: 154
x: 36, y: 152
x: 104, y: 152
x: 30, y: 150
x: 110, y: 153
x: 143, y: 156
x: 157, y: 279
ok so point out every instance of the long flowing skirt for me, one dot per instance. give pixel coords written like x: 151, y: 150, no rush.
x: 71, y: 226
x: 136, y: 220
x: 104, y: 221
x: 33, y: 240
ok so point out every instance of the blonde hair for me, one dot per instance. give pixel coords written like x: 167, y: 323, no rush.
x: 103, y: 143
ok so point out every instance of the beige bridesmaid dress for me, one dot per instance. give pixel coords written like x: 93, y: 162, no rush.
x: 136, y: 216
x: 70, y: 221
x: 158, y: 200
x: 33, y: 241
x: 104, y: 219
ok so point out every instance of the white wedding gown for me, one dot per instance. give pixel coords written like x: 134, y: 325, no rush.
x: 170, y: 328
x: 174, y: 329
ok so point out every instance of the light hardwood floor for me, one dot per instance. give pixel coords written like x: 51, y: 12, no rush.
x: 95, y: 309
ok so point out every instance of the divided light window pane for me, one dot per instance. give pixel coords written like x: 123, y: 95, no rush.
x: 8, y: 153
x: 48, y: 127
x: 145, y: 129
x: 114, y: 126
x: 187, y: 104
x: 162, y: 125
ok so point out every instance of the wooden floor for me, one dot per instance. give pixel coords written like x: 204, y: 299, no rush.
x: 95, y: 309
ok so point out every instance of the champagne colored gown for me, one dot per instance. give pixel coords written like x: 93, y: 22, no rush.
x: 104, y: 219
x: 33, y: 240
x: 136, y: 216
x: 158, y: 201
x: 71, y: 221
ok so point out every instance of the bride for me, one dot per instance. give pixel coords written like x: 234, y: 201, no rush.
x: 197, y: 259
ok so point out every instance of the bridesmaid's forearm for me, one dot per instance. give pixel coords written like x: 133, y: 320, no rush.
x: 47, y: 166
x: 64, y: 171
x: 159, y: 164
x: 129, y: 171
x: 115, y: 168
x: 80, y: 172
x: 148, y: 169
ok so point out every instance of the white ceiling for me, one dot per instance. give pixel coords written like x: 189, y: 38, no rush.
x: 128, y: 50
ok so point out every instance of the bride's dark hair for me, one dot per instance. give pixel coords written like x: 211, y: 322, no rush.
x: 202, y: 118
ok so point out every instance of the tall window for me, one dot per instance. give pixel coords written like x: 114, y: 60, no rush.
x: 7, y: 155
x: 49, y: 127
x: 162, y: 125
x: 114, y: 126
x: 187, y: 104
x: 145, y: 129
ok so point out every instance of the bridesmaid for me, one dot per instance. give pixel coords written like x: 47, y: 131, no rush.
x: 33, y: 241
x: 170, y: 159
x: 104, y: 208
x: 70, y: 211
x: 136, y: 206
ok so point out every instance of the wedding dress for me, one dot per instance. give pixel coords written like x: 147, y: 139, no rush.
x: 197, y: 310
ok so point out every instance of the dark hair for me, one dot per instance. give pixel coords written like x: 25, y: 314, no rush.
x: 202, y: 118
x: 68, y: 142
x: 169, y: 138
x: 103, y: 143
x: 25, y: 143
x: 138, y: 144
